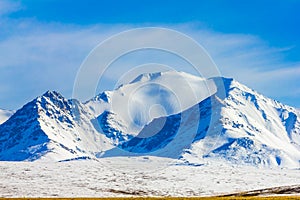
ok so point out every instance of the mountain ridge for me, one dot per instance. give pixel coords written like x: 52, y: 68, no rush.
x: 47, y: 128
x: 233, y: 123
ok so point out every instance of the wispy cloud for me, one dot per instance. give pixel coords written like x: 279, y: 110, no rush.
x: 36, y: 57
x: 7, y: 7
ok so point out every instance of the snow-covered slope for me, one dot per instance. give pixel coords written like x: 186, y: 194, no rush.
x: 168, y: 114
x: 130, y: 107
x: 50, y: 128
x: 241, y: 126
x: 5, y: 114
x: 247, y: 127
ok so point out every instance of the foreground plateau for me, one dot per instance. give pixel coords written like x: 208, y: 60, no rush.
x: 136, y: 176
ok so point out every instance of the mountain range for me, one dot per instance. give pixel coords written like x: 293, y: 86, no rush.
x: 167, y: 114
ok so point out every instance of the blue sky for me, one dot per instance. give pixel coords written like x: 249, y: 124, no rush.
x: 42, y: 43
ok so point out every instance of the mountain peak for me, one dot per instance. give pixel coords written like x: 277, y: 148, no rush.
x: 55, y: 99
x: 147, y: 77
x: 52, y: 94
x: 47, y: 128
x: 104, y: 96
x: 166, y: 74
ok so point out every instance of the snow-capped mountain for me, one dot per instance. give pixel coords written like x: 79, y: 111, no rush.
x: 5, y: 114
x: 170, y: 114
x: 247, y: 127
x: 50, y: 128
x: 236, y: 124
x: 241, y: 126
x: 150, y: 96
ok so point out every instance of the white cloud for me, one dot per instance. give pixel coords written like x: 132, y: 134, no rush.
x: 7, y: 7
x: 35, y: 57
